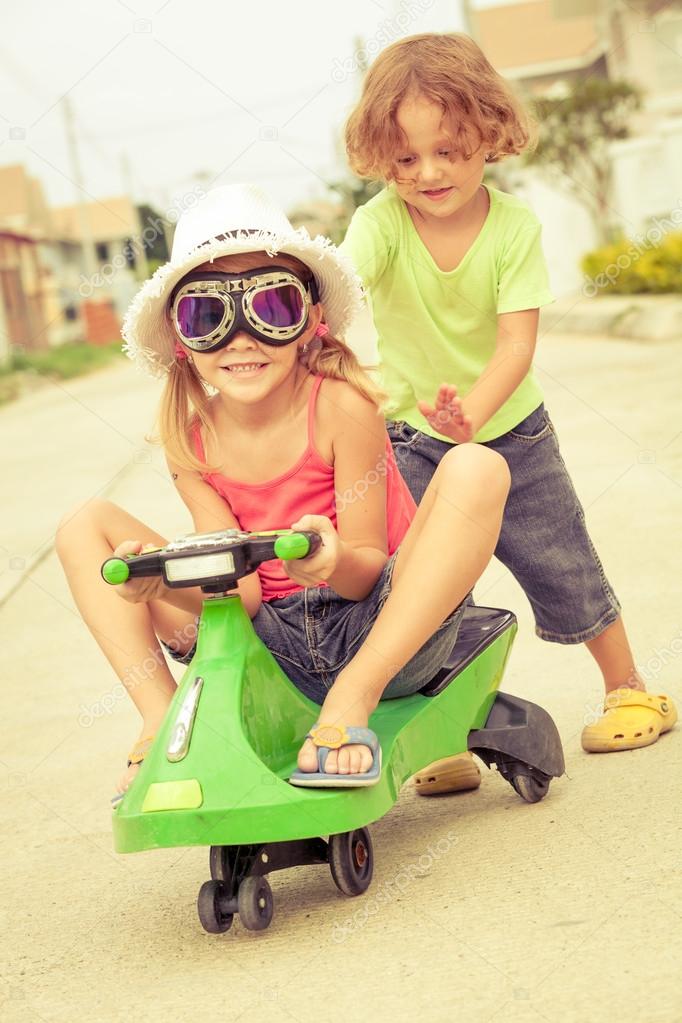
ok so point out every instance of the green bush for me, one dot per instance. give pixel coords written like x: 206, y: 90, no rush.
x: 65, y: 361
x: 61, y: 363
x: 628, y: 267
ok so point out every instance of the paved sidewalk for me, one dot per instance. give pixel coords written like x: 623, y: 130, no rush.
x: 66, y: 442
x: 568, y: 910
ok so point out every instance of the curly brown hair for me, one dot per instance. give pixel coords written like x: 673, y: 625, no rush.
x: 479, y: 106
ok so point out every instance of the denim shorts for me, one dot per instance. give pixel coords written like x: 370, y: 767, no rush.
x: 543, y: 541
x: 314, y: 633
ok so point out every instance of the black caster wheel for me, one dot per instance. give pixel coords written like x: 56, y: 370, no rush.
x: 219, y: 863
x: 530, y: 787
x: 351, y: 861
x: 212, y: 915
x: 255, y: 903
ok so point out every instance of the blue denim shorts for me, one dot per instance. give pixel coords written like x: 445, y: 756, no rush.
x: 543, y: 541
x: 314, y: 633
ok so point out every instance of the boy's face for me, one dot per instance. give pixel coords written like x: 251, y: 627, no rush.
x: 433, y: 178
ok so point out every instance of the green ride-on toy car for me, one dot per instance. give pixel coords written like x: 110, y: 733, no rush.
x: 217, y: 773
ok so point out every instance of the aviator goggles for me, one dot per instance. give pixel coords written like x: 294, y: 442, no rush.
x: 269, y: 303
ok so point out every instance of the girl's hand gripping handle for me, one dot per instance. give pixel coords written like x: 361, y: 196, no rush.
x: 130, y: 562
x: 297, y: 545
x: 322, y: 559
x: 119, y: 570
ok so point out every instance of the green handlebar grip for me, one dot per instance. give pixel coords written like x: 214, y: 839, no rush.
x: 115, y: 571
x: 296, y: 545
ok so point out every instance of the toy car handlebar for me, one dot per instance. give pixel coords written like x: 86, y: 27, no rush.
x: 213, y: 561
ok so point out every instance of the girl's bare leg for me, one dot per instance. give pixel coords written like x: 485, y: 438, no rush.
x: 447, y: 547
x: 126, y: 633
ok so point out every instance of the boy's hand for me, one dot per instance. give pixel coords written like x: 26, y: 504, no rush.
x: 145, y: 588
x: 447, y: 416
x: 317, y: 567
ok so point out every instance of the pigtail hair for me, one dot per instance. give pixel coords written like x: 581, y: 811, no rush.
x: 330, y: 357
x: 184, y: 403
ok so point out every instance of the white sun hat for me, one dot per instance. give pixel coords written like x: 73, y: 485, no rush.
x: 229, y: 220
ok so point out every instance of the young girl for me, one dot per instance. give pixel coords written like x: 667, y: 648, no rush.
x: 455, y: 274
x: 269, y: 422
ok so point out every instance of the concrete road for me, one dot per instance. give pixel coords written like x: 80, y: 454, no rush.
x: 483, y: 908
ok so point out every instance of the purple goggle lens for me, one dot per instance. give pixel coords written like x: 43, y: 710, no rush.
x: 278, y: 307
x: 199, y: 315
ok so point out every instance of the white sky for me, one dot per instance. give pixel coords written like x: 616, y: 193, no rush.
x: 186, y: 88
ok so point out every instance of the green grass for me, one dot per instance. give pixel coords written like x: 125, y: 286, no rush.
x: 61, y: 363
x: 65, y: 361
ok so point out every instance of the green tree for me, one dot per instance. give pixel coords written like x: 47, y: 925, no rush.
x: 155, y: 243
x: 574, y: 142
x: 353, y: 192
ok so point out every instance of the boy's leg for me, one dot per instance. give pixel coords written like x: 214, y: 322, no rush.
x: 125, y: 632
x: 445, y: 550
x: 417, y: 456
x: 544, y: 541
x: 632, y: 717
x: 545, y: 544
x: 611, y: 650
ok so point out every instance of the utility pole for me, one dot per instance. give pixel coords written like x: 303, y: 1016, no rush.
x: 88, y: 259
x: 99, y: 322
x: 469, y: 25
x: 139, y: 250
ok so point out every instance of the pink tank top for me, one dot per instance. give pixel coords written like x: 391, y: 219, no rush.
x: 307, y: 488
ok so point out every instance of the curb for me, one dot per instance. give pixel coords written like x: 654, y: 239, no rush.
x: 631, y: 317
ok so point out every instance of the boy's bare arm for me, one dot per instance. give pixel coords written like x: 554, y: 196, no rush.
x: 513, y: 356
x: 460, y: 419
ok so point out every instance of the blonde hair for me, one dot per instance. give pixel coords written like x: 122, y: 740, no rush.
x: 186, y: 397
x: 450, y: 70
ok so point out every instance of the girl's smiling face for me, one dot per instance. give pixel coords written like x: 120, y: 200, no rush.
x: 432, y: 176
x: 247, y: 369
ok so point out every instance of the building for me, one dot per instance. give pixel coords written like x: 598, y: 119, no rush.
x: 69, y: 273
x: 100, y: 260
x: 538, y: 43
x: 22, y: 301
x: 543, y: 45
x: 24, y: 285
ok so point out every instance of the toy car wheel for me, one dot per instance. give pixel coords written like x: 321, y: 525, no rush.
x: 219, y: 863
x: 530, y: 787
x: 351, y: 861
x: 212, y: 916
x: 255, y: 903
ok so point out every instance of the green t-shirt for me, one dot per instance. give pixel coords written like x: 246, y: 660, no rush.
x: 436, y: 327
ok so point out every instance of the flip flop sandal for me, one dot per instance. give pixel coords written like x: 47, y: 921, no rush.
x: 460, y: 773
x: 328, y: 737
x: 631, y: 719
x: 136, y: 756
